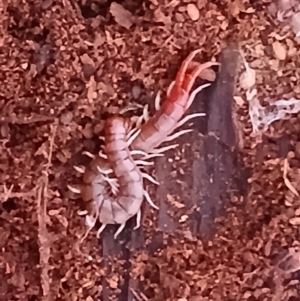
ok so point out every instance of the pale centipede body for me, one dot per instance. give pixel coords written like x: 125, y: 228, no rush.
x: 118, y: 207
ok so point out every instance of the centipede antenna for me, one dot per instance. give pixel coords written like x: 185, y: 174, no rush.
x: 164, y: 149
x: 73, y: 189
x: 120, y: 229
x: 80, y: 169
x: 178, y: 134
x: 138, y: 220
x: 88, y: 154
x: 142, y: 162
x: 147, y: 196
x: 149, y: 178
x: 130, y: 140
x: 194, y: 93
x: 197, y: 71
x: 100, y: 230
x: 187, y: 118
x: 184, y: 66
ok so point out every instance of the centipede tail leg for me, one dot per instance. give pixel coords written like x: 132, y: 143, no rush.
x: 120, y: 229
x: 138, y: 220
x: 149, y: 178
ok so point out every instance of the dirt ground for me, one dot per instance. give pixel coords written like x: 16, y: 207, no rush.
x: 66, y: 65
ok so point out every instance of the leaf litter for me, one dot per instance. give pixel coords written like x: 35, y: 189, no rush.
x: 237, y: 264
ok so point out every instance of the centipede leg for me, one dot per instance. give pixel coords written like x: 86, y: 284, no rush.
x: 100, y: 230
x: 130, y: 140
x: 157, y: 99
x: 187, y: 118
x: 142, y: 162
x: 89, y: 154
x: 138, y: 220
x: 113, y: 184
x: 170, y: 87
x: 147, y: 196
x: 101, y: 155
x: 149, y: 178
x: 74, y: 189
x: 178, y: 134
x: 146, y: 113
x: 164, y: 149
x: 194, y: 93
x: 120, y: 229
x: 131, y: 132
x: 146, y: 157
x: 80, y: 169
x: 138, y: 152
x: 104, y: 171
x: 144, y: 117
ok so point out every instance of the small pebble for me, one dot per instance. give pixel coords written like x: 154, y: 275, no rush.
x: 66, y: 118
x: 136, y: 91
x: 193, y: 12
x: 279, y: 50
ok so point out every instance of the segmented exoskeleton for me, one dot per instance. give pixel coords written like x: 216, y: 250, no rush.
x: 113, y: 183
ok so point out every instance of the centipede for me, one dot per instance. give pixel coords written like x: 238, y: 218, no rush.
x: 113, y: 183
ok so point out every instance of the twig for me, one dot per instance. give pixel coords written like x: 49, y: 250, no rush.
x: 23, y: 120
x: 142, y: 298
x: 7, y: 193
x: 43, y: 235
x: 287, y: 182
